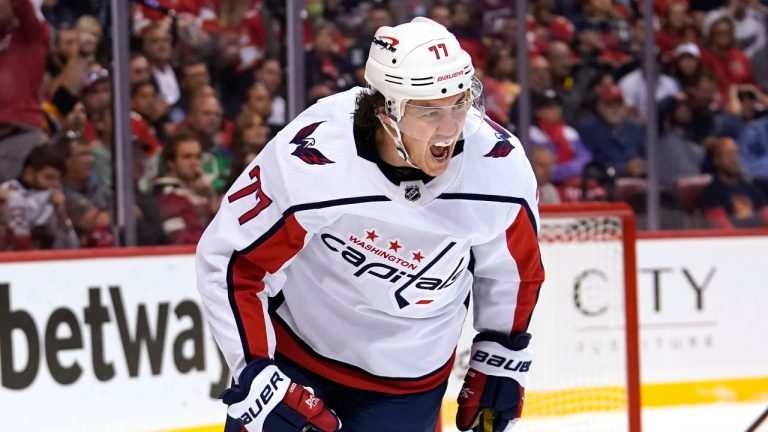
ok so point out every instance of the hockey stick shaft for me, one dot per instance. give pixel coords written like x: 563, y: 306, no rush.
x: 756, y: 424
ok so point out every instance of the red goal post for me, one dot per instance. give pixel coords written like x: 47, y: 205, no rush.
x: 585, y: 326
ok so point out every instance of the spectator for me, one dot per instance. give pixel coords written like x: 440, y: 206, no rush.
x: 731, y: 201
x: 494, y: 16
x: 157, y: 47
x: 248, y: 139
x: 96, y: 98
x: 146, y: 102
x: 539, y: 80
x: 740, y: 110
x: 760, y: 68
x: 603, y: 78
x: 677, y: 27
x: 270, y: 73
x: 102, y: 146
x: 678, y: 155
x: 547, y: 25
x: 604, y: 29
x: 249, y: 136
x: 467, y: 31
x: 569, y: 79
x: 540, y: 74
x: 324, y: 66
x: 686, y: 64
x: 701, y: 94
x: 636, y: 92
x: 102, y: 149
x: 499, y: 84
x: 89, y: 203
x: 149, y: 224
x: 613, y: 138
x: 560, y: 59
x: 139, y: 69
x: 244, y: 37
x: 440, y: 13
x: 96, y: 91
x: 543, y: 164
x: 192, y: 18
x: 23, y: 47
x: 205, y: 122
x: 58, y: 14
x: 76, y: 119
x: 258, y: 101
x: 749, y: 24
x: 78, y: 59
x: 562, y: 140
x: 65, y: 45
x: 184, y: 195
x: 729, y: 64
x: 194, y: 76
x: 753, y: 149
x: 90, y: 31
x: 378, y: 16
x: 34, y: 205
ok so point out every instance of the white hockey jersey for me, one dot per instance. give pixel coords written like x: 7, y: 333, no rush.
x: 370, y: 279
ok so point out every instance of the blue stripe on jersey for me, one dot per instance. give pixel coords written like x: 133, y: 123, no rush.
x: 310, y: 206
x: 493, y: 198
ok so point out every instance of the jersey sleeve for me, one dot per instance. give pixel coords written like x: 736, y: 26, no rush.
x: 508, y: 270
x: 239, y: 258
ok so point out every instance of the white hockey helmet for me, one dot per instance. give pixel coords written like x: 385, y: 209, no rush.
x: 418, y: 60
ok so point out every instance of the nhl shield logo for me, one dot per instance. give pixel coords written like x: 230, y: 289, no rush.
x: 412, y: 193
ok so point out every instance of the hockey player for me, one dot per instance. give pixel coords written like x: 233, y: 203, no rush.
x: 344, y: 257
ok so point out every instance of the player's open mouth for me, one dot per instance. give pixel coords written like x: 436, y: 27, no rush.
x: 440, y: 152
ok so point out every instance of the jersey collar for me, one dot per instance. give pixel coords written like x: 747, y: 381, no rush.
x: 406, y: 185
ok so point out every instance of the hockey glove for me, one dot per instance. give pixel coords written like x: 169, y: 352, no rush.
x: 491, y: 399
x: 266, y: 399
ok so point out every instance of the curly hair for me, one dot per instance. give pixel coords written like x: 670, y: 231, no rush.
x: 366, y: 106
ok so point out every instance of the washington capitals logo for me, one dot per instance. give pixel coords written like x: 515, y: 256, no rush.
x: 503, y: 147
x: 306, y: 150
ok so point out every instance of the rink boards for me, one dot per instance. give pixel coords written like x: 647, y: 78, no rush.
x: 117, y: 337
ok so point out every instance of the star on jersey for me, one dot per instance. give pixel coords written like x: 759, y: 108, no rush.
x: 305, y: 150
x: 417, y: 256
x: 394, y: 245
x: 371, y: 235
x: 503, y: 147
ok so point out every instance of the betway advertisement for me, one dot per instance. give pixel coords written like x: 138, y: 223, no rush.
x: 91, y: 344
x: 115, y: 344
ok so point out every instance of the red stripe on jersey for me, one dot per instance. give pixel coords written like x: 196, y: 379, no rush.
x: 524, y: 248
x: 248, y: 273
x: 288, y: 346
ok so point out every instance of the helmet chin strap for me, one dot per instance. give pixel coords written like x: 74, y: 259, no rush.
x: 399, y: 146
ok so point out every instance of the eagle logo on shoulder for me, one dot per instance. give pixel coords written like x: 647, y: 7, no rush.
x: 305, y: 149
x: 503, y: 147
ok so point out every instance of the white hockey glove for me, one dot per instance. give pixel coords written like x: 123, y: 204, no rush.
x: 265, y: 398
x: 491, y: 399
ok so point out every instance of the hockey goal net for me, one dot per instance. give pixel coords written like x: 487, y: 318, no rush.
x: 586, y: 374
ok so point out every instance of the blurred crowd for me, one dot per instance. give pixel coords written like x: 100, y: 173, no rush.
x: 207, y: 93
